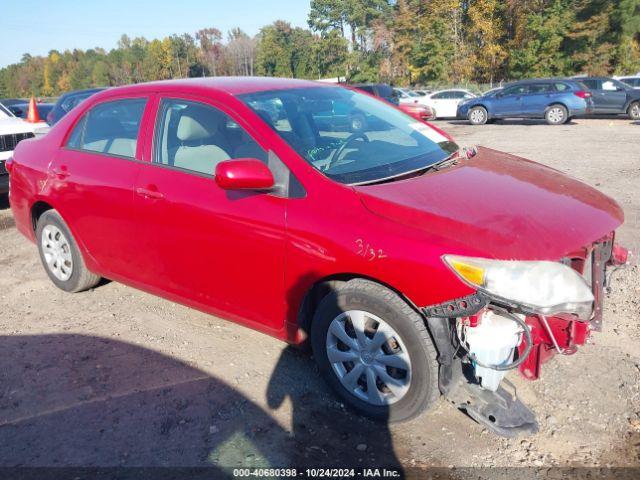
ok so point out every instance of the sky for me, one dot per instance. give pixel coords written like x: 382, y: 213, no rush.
x: 37, y: 26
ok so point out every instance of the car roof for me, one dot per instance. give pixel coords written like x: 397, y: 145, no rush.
x: 82, y: 92
x: 230, y: 85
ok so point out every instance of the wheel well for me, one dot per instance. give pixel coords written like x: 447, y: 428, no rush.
x: 479, y: 105
x: 330, y: 284
x: 37, y: 210
x: 554, y: 104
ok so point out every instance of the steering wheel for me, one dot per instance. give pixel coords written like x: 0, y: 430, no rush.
x: 338, y: 152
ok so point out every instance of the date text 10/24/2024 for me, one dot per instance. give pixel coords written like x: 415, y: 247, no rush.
x: 316, y: 473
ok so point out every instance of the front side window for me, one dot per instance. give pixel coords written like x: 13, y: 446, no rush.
x: 110, y: 128
x: 441, y: 96
x: 196, y: 137
x: 514, y: 90
x: 350, y: 137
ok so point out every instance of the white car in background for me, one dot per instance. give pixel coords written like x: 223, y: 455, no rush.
x: 12, y: 131
x: 445, y: 102
x: 631, y: 80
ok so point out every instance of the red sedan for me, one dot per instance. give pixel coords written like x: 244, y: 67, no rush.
x: 414, y: 267
x: 421, y: 112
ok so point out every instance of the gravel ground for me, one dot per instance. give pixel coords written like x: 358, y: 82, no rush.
x: 114, y: 376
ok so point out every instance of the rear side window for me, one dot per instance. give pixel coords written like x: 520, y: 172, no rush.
x: 441, y: 96
x: 385, y: 91
x: 561, y: 87
x: 514, y: 90
x: 110, y: 128
x: 539, y: 88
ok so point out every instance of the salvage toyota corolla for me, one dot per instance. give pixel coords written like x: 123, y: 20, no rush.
x: 413, y: 267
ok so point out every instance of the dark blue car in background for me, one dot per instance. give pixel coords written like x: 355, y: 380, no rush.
x: 67, y: 101
x: 555, y: 100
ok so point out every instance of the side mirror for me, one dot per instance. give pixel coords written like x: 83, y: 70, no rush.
x: 244, y: 174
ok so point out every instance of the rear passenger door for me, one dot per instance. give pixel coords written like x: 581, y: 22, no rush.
x: 221, y: 251
x: 92, y: 179
x: 535, y: 99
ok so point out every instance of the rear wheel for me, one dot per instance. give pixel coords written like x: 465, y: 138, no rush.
x: 60, y: 255
x: 478, y: 116
x: 634, y: 110
x: 556, y: 115
x: 374, y: 350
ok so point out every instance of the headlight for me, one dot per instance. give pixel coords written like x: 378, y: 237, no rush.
x: 542, y: 287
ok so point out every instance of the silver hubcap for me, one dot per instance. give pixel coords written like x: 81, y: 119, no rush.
x: 477, y: 116
x: 57, y: 252
x: 369, y: 357
x: 556, y: 115
x: 635, y: 111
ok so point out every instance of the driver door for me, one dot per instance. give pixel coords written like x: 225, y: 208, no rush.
x: 221, y: 251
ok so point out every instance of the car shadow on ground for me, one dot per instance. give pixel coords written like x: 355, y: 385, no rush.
x: 76, y: 400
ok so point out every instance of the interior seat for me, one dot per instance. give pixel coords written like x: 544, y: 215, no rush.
x: 201, y: 146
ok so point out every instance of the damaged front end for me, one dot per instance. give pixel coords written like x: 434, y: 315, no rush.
x: 522, y: 314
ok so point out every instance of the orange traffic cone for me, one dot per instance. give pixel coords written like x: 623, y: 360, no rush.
x: 32, y: 115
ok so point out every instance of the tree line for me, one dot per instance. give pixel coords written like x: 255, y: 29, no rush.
x: 404, y: 42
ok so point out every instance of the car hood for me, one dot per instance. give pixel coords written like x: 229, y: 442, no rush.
x: 10, y: 125
x: 500, y: 206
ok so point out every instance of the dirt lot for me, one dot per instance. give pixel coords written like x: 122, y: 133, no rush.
x: 114, y: 376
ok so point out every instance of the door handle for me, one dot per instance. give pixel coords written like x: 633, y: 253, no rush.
x: 61, y: 172
x: 146, y: 193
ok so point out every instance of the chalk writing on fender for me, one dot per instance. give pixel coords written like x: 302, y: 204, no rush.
x: 369, y: 253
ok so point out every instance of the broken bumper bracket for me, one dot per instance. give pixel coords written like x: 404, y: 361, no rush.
x: 500, y: 411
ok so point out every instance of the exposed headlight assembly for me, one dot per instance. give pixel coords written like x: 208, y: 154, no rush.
x: 541, y: 287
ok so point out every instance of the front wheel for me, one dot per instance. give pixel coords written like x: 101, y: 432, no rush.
x: 478, y: 116
x: 375, y: 352
x: 61, y: 256
x: 634, y: 111
x: 556, y: 115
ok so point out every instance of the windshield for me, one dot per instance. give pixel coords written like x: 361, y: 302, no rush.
x: 4, y: 112
x: 350, y: 137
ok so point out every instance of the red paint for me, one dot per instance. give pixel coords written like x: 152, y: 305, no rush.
x: 252, y: 256
x: 243, y: 174
x: 419, y: 112
x: 569, y: 333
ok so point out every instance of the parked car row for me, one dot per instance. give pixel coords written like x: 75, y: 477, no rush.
x: 555, y: 100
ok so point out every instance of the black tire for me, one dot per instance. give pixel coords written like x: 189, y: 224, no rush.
x: 478, y: 116
x: 81, y: 278
x: 556, y: 114
x: 634, y: 111
x: 373, y: 298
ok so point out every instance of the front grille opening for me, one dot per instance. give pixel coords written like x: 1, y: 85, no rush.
x: 8, y: 142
